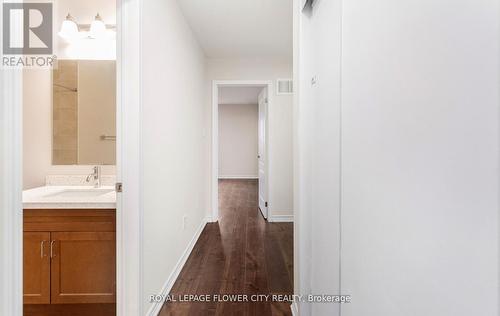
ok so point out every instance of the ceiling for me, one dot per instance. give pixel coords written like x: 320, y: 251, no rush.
x: 239, y: 95
x: 241, y: 28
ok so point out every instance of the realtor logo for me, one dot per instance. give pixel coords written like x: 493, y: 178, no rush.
x: 27, y: 29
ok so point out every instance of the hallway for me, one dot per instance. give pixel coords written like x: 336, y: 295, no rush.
x: 241, y: 254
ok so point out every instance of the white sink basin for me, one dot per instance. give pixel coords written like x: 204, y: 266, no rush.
x: 79, y: 193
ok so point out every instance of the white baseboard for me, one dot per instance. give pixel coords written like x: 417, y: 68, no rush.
x: 295, y: 309
x: 238, y: 177
x: 280, y: 219
x: 210, y: 219
x: 155, y: 308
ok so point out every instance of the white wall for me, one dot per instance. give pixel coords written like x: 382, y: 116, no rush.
x: 174, y: 156
x: 37, y: 127
x: 238, y: 95
x: 419, y: 156
x: 238, y: 140
x: 420, y: 99
x: 280, y: 122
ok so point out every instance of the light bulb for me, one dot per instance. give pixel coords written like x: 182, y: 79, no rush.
x: 97, y: 28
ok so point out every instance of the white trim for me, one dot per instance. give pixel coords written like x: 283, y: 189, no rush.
x: 294, y: 307
x: 281, y: 219
x: 169, y: 283
x: 243, y: 177
x: 215, y: 152
x: 129, y: 220
x: 11, y: 215
x: 297, y: 161
x: 11, y: 236
x: 215, y: 136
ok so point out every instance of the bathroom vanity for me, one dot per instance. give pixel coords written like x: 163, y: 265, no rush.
x: 69, y: 245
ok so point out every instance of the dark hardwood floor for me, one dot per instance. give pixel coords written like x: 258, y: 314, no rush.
x: 242, y: 254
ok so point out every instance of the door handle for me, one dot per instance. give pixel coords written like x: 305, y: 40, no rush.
x: 42, y: 249
x: 52, y: 248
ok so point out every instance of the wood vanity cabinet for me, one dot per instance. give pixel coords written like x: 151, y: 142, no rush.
x: 69, y: 256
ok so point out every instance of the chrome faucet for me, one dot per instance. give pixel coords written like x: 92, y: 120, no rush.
x: 96, y: 175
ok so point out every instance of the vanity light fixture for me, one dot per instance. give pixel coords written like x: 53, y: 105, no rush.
x: 97, y: 28
x: 69, y: 28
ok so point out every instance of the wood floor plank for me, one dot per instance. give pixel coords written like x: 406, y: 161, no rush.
x: 277, y: 271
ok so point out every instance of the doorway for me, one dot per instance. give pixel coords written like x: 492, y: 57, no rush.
x: 229, y: 93
x: 127, y: 214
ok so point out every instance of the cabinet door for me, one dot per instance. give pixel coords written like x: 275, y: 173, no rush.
x: 36, y: 268
x: 83, y: 268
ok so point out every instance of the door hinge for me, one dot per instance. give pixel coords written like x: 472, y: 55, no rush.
x: 265, y: 204
x: 118, y: 187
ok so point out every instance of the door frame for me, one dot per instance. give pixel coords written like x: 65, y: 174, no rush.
x: 264, y: 98
x: 129, y: 213
x: 216, y: 84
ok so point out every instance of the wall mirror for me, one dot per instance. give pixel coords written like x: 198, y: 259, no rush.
x: 84, y: 112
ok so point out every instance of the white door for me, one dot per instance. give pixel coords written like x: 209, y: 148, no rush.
x: 262, y: 152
